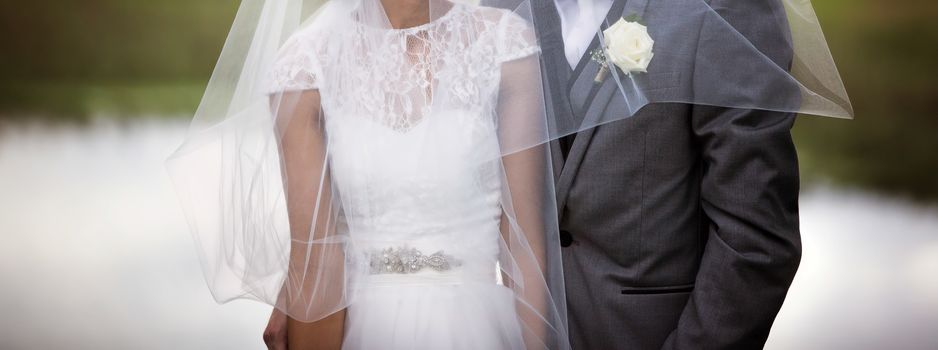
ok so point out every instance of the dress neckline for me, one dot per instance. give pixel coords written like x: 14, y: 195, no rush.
x: 456, y: 7
x: 430, y: 23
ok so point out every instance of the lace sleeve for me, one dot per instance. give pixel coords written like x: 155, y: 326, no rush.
x: 516, y: 38
x: 296, y: 67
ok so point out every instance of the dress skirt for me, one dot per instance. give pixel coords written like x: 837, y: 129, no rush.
x: 432, y: 311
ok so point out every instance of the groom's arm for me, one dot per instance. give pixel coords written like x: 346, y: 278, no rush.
x: 749, y: 194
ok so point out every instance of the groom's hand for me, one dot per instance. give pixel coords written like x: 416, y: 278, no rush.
x: 275, y: 335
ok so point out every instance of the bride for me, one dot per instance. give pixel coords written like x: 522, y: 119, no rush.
x: 377, y: 171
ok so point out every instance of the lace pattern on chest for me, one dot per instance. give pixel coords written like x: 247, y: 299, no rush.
x: 397, y: 77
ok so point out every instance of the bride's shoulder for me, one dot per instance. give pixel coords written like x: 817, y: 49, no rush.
x: 508, y: 28
x: 496, y: 15
x: 308, y: 40
x: 296, y: 65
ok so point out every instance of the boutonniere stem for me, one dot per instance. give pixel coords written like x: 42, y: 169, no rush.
x: 599, y: 56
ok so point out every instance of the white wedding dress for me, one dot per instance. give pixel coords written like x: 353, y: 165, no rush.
x: 416, y: 165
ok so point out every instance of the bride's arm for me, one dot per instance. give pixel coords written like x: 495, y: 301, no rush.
x: 314, y: 262
x: 529, y: 217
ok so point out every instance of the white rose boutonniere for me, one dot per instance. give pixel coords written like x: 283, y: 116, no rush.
x: 628, y: 46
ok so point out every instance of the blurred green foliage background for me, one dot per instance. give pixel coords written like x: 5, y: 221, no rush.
x: 73, y: 59
x: 70, y: 60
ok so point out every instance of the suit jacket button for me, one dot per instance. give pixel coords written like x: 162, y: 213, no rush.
x: 566, y: 239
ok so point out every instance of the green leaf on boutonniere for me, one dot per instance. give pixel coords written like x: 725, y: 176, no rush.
x: 634, y: 17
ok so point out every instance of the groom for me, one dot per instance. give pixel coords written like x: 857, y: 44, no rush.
x: 679, y: 225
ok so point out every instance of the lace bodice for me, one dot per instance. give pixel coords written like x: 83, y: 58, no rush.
x: 410, y: 121
x: 395, y: 76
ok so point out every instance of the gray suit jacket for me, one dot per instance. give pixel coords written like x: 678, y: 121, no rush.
x: 679, y: 224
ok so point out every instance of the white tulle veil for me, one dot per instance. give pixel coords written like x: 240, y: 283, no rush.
x: 257, y: 177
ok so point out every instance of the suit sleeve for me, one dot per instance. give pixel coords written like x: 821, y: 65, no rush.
x: 749, y: 199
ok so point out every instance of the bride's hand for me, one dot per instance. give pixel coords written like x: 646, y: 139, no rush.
x: 275, y: 335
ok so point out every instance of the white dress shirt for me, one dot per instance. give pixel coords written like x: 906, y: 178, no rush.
x: 579, y: 21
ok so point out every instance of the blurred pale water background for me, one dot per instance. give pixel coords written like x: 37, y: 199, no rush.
x: 94, y: 252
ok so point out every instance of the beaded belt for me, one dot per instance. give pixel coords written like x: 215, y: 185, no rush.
x: 404, y: 260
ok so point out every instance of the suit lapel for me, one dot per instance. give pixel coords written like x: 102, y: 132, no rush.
x: 588, y: 101
x: 594, y: 112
